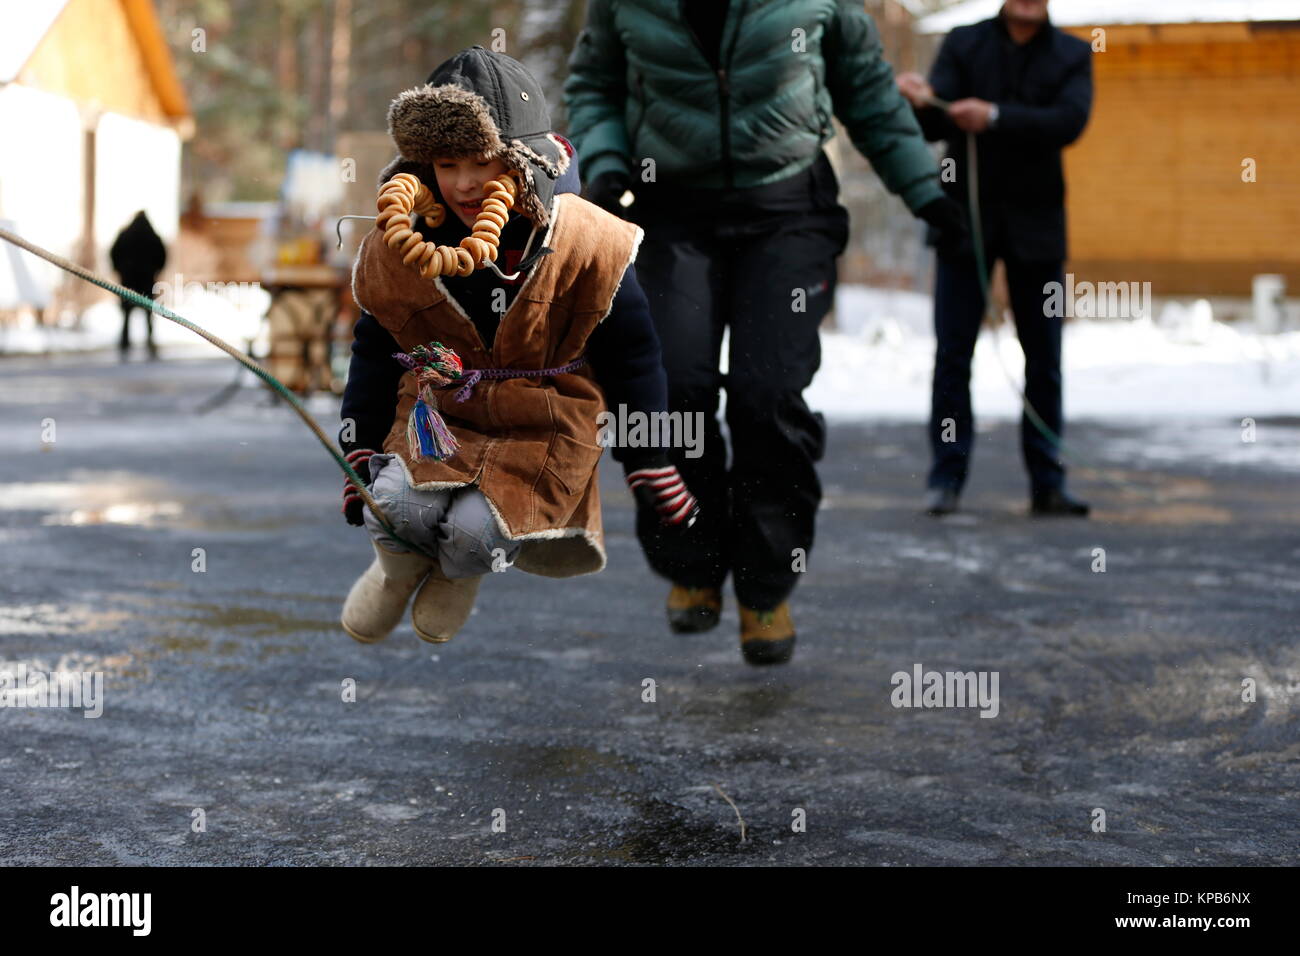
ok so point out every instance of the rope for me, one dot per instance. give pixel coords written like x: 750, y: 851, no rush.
x: 977, y: 236
x: 981, y: 268
x: 274, y: 383
x: 471, y: 376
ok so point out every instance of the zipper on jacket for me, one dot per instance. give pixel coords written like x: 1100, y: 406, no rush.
x: 725, y: 86
x: 724, y: 93
x: 640, y: 96
x: 822, y: 124
x: 724, y: 82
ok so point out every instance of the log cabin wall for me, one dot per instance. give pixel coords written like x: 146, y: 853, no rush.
x: 1155, y: 188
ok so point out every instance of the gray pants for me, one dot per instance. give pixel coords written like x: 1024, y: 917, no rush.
x: 457, y: 524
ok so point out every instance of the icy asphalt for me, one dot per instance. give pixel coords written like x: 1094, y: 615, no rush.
x: 1118, y: 690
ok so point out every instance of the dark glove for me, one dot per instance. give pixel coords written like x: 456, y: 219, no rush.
x: 661, y: 490
x: 607, y: 189
x: 948, y: 220
x: 353, y: 506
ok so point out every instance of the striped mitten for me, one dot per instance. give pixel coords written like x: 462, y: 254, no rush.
x: 353, y: 506
x: 662, y: 489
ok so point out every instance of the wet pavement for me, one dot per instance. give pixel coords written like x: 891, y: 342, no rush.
x: 527, y: 739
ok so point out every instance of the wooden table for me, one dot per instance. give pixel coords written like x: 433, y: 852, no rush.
x: 304, y: 307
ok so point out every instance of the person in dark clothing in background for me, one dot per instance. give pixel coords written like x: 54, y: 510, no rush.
x: 1025, y: 88
x: 138, y: 255
x: 714, y: 115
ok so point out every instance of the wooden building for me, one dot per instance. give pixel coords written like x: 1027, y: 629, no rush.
x: 1188, y: 175
x: 93, y: 118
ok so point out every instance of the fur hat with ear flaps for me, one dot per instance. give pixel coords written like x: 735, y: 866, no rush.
x: 480, y: 104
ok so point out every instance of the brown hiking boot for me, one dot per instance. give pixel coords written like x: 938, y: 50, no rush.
x: 692, y: 610
x: 767, y: 637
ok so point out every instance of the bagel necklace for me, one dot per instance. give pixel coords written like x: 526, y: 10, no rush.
x: 405, y: 194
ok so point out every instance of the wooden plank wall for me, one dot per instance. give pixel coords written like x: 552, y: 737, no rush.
x: 90, y: 54
x: 1155, y: 184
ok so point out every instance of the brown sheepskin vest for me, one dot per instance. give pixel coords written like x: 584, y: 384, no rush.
x: 528, y: 443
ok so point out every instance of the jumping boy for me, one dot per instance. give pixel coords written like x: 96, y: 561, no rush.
x: 524, y: 304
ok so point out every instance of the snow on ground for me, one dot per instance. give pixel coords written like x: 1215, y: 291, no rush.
x: 1184, y: 364
x: 877, y: 364
x: 233, y: 313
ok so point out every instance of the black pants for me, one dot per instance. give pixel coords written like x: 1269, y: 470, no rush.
x: 127, y: 305
x: 761, y: 264
x: 958, y: 312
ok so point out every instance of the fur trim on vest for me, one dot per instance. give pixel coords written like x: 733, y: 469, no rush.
x: 528, y: 443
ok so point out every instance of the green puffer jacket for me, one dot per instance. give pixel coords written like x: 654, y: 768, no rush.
x: 641, y: 87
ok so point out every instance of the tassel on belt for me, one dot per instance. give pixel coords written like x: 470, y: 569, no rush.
x: 437, y: 366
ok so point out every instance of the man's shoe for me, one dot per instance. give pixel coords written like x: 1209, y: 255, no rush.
x: 693, y: 610
x: 941, y: 501
x: 767, y: 637
x: 1057, y: 502
x: 443, y: 605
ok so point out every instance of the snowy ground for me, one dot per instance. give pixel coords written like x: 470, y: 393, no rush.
x: 1183, y: 369
x: 1183, y: 364
x: 1120, y: 691
x: 234, y: 314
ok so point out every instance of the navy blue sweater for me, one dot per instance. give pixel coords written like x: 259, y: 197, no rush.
x: 623, y: 350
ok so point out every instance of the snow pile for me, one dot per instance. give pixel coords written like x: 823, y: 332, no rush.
x: 879, y: 363
x: 232, y: 313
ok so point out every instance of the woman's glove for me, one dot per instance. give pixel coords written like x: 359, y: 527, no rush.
x: 607, y: 189
x: 948, y: 219
x: 353, y: 507
x: 661, y: 489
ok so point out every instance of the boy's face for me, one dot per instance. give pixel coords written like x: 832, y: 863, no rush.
x: 461, y: 183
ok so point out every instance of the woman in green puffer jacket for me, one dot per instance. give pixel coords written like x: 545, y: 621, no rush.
x: 714, y: 115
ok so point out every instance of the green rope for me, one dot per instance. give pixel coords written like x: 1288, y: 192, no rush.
x: 985, y: 279
x: 977, y: 240
x: 274, y: 383
x: 981, y: 266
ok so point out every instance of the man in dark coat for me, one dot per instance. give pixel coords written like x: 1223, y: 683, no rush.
x: 714, y: 116
x: 138, y: 255
x: 1025, y: 88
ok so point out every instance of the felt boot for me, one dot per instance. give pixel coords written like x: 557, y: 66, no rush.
x: 377, y: 600
x: 442, y: 606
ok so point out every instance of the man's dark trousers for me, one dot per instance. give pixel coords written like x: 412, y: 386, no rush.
x: 759, y: 264
x: 958, y: 312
